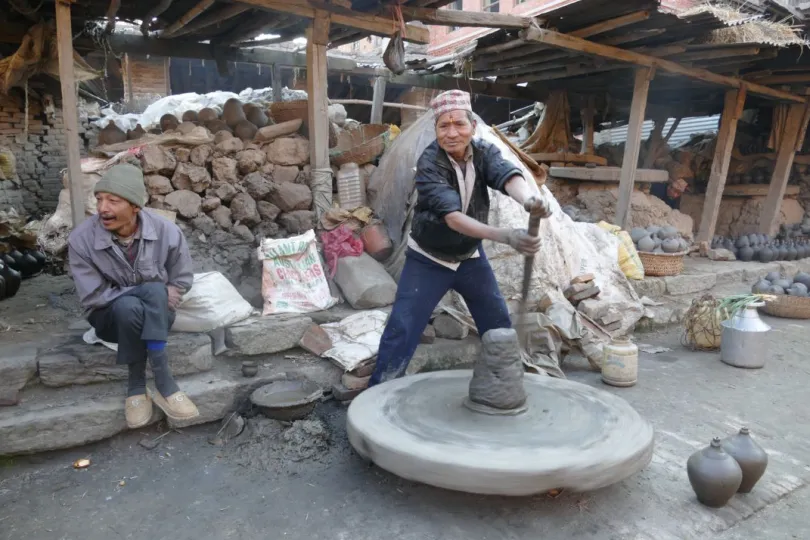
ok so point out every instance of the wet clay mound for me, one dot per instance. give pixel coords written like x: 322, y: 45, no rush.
x: 271, y: 445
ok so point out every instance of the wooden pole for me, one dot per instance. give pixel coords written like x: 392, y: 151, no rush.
x: 632, y: 145
x: 318, y: 103
x: 70, y: 110
x: 588, y: 114
x: 732, y: 110
x: 794, y: 130
x: 277, y: 83
x: 378, y: 100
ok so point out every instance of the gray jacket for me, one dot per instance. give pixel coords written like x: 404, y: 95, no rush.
x: 102, y: 273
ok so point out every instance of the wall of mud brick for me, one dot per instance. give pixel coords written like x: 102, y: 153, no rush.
x: 39, y: 148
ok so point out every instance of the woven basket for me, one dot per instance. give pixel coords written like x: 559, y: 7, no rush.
x: 361, y: 145
x: 284, y: 111
x: 788, y: 307
x: 662, y: 264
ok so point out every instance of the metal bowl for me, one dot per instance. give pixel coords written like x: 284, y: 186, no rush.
x: 288, y: 399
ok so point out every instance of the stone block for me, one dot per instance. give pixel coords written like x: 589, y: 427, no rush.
x: 297, y: 222
x: 80, y: 363
x: 590, y: 292
x: 186, y: 203
x: 288, y: 151
x: 689, y: 283
x: 315, y: 340
x: 364, y: 282
x: 593, y: 308
x: 720, y: 254
x: 584, y: 278
x: 341, y: 393
x: 267, y: 335
x: 156, y: 159
x: 428, y: 335
x: 575, y: 289
x: 445, y: 354
x: 18, y: 366
x: 244, y: 210
x: 447, y: 327
x: 290, y: 197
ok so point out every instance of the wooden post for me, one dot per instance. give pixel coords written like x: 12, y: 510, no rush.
x: 732, y: 109
x: 378, y: 100
x: 588, y: 114
x: 794, y: 130
x: 317, y: 41
x: 277, y: 83
x: 632, y: 145
x: 70, y: 110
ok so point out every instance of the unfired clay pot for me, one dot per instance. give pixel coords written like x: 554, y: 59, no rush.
x: 714, y: 475
x: 750, y: 456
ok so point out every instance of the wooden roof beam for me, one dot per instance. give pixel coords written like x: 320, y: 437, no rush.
x: 611, y: 24
x: 451, y: 17
x: 189, y: 16
x: 573, y: 43
x: 210, y: 19
x: 380, y: 26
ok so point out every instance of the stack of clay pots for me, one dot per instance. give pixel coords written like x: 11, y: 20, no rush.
x: 762, y: 248
x: 796, y: 230
x: 725, y: 467
x: 776, y: 284
x: 655, y: 239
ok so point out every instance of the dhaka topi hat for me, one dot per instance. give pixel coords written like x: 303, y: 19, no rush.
x: 452, y: 100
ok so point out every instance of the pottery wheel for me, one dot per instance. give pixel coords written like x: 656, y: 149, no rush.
x: 571, y: 436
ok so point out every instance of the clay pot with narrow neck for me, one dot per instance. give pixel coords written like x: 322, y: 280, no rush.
x: 750, y: 456
x: 715, y: 475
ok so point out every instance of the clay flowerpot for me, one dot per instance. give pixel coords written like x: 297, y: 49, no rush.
x: 715, y: 475
x: 750, y: 456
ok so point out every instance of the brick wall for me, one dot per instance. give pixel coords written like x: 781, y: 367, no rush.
x: 40, y: 153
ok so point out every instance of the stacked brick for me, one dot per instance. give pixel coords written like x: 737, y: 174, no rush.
x: 39, y: 148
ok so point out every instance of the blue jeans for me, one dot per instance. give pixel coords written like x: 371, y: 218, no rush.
x: 422, y: 285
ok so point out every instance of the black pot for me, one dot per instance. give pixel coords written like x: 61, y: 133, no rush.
x: 766, y: 254
x: 11, y: 280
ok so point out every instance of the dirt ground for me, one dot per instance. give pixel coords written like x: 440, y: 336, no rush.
x: 304, y: 481
x: 44, y: 304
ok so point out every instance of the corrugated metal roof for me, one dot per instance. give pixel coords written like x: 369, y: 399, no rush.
x: 685, y: 130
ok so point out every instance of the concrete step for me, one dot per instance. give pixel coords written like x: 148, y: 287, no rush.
x: 54, y: 418
x: 702, y: 276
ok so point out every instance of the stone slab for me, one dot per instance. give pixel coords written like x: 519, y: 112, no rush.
x: 689, y: 283
x: 52, y: 419
x: 445, y: 354
x: 364, y: 282
x: 315, y: 340
x: 79, y: 363
x: 18, y: 365
x: 445, y: 326
x: 590, y: 292
x: 266, y: 335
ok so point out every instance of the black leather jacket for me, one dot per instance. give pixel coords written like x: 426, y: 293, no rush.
x: 438, y: 195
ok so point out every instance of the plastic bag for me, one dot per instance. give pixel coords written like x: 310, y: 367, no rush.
x: 629, y: 261
x: 211, y: 303
x: 293, y: 280
x: 337, y: 243
x: 394, y: 55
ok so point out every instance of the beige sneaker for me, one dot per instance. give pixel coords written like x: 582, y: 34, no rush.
x: 138, y: 410
x: 177, y: 406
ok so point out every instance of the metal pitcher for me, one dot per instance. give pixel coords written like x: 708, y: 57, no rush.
x: 743, y: 343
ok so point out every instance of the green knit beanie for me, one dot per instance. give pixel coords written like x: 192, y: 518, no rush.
x: 125, y: 181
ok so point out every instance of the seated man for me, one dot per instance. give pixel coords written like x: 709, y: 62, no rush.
x: 450, y: 220
x: 131, y: 267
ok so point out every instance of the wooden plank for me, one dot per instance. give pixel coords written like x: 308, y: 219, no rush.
x: 70, y: 110
x: 632, y: 146
x: 714, y: 54
x: 377, y: 102
x: 757, y: 190
x: 588, y: 114
x: 611, y: 24
x: 318, y: 106
x: 380, y: 26
x: 732, y: 110
x: 452, y: 17
x: 385, y: 105
x: 228, y: 12
x: 567, y: 157
x: 277, y: 83
x: 189, y: 16
x: 607, y: 174
x: 572, y: 43
x: 795, y: 129
x: 785, y: 79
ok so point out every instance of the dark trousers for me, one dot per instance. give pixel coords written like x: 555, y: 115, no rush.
x: 141, y: 314
x: 422, y: 285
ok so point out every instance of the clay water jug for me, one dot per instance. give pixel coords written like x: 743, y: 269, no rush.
x: 620, y: 362
x: 783, y: 252
x: 746, y: 253
x: 750, y: 456
x: 715, y: 475
x: 792, y: 253
x: 766, y: 254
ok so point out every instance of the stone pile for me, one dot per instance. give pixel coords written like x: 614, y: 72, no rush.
x: 229, y: 194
